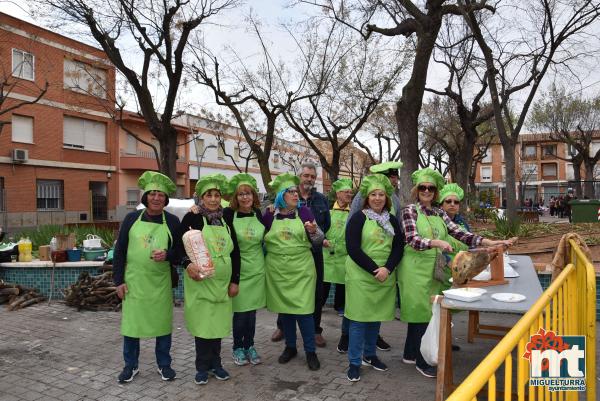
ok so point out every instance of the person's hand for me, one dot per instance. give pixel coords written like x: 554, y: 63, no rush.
x: 193, y: 271
x: 195, y: 209
x: 311, y: 227
x: 382, y: 273
x: 122, y: 290
x: 326, y: 243
x: 159, y: 255
x: 441, y: 244
x: 233, y: 290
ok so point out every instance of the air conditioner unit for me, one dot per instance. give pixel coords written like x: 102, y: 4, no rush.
x: 20, y: 155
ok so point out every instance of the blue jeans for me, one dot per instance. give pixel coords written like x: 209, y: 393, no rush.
x: 362, y: 341
x: 131, y: 351
x: 306, y: 323
x: 244, y: 327
x: 345, y: 326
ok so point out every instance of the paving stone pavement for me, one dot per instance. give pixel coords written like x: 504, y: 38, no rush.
x: 54, y: 352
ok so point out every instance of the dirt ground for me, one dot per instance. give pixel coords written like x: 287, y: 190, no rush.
x: 543, y: 239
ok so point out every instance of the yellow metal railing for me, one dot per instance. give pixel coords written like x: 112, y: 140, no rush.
x: 567, y: 307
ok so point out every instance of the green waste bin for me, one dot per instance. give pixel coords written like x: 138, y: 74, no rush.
x: 585, y: 210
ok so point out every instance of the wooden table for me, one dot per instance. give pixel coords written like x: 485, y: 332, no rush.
x: 527, y: 284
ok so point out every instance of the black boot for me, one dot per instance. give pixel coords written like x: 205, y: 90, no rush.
x: 288, y: 354
x: 313, y: 361
x: 342, y: 346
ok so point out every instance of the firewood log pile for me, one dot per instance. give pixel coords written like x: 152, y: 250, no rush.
x: 18, y: 297
x: 95, y: 293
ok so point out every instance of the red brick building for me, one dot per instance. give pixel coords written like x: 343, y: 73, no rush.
x: 58, y: 156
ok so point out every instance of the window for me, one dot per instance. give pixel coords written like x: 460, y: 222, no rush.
x: 594, y: 147
x: 549, y: 170
x: 570, y: 151
x: 503, y: 173
x: 79, y: 133
x: 486, y: 174
x: 276, y: 160
x: 198, y: 148
x: 22, y: 129
x: 549, y: 150
x: 255, y: 160
x: 84, y: 78
x: 529, y: 171
x: 569, y: 171
x: 49, y: 194
x: 131, y: 145
x: 23, y: 64
x: 236, y: 153
x: 220, y: 151
x: 133, y: 197
x: 529, y: 151
x: 156, y: 144
x: 487, y: 157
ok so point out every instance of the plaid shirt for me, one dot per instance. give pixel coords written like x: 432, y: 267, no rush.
x: 409, y: 224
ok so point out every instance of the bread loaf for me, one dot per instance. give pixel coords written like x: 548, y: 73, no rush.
x: 196, y: 250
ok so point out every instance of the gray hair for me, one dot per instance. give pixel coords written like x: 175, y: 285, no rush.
x: 309, y: 165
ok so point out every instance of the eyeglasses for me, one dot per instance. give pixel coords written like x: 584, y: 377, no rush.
x: 423, y: 188
x: 451, y: 201
x: 245, y: 194
x: 292, y: 191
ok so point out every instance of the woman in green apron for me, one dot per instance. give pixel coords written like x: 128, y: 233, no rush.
x: 207, y: 301
x: 334, y: 252
x: 375, y: 245
x: 290, y: 268
x: 427, y: 231
x: 244, y: 215
x: 142, y: 275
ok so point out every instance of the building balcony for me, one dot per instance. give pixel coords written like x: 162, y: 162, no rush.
x: 145, y: 160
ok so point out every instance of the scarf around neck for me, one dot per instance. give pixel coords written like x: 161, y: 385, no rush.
x: 213, y: 217
x: 382, y: 219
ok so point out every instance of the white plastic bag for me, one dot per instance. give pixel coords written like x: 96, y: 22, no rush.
x: 431, y: 339
x: 196, y: 250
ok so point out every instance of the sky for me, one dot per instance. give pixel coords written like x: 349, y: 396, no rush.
x: 231, y: 31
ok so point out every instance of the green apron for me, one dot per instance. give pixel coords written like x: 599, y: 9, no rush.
x: 335, y: 264
x: 415, y: 277
x: 148, y: 304
x: 250, y: 233
x: 207, y: 305
x: 290, y: 268
x: 367, y: 299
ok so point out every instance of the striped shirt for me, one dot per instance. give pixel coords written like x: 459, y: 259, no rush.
x: 409, y: 225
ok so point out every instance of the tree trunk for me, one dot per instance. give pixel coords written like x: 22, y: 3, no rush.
x: 265, y: 172
x: 168, y: 154
x: 510, y: 164
x: 409, y: 107
x: 588, y: 188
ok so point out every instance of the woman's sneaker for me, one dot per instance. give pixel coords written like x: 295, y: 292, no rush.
x: 201, y: 377
x: 167, y: 374
x: 252, y: 356
x: 382, y: 345
x: 342, y: 346
x: 127, y: 374
x: 375, y: 363
x: 409, y: 361
x: 430, y: 371
x: 239, y: 357
x: 219, y: 373
x: 353, y: 373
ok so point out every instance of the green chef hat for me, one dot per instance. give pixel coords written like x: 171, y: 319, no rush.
x: 242, y: 179
x: 284, y: 181
x: 383, y: 168
x: 375, y: 181
x: 451, y: 189
x: 155, y: 181
x: 428, y: 175
x: 342, y: 184
x: 211, y: 181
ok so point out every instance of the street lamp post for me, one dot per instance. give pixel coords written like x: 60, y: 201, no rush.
x: 199, y: 161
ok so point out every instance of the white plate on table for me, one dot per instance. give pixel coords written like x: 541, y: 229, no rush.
x: 465, y: 294
x: 508, y: 297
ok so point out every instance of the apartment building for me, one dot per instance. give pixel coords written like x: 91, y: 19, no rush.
x: 57, y: 156
x: 135, y: 157
x: 207, y: 156
x: 541, y: 168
